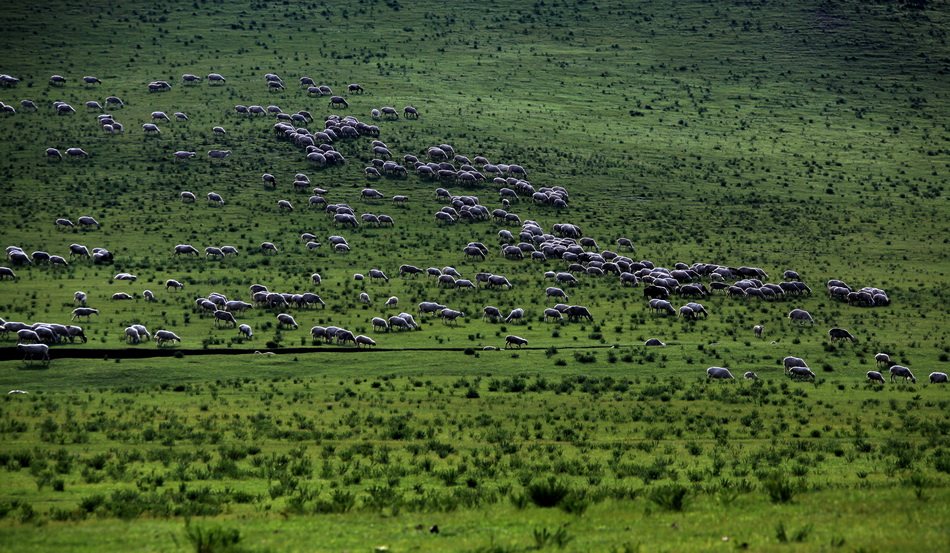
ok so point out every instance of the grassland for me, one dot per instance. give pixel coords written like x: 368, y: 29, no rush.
x: 785, y: 135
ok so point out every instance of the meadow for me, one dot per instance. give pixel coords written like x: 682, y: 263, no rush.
x: 800, y: 136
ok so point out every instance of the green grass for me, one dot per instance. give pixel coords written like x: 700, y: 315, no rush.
x: 788, y: 135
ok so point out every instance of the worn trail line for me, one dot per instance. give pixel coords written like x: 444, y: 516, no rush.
x: 12, y: 354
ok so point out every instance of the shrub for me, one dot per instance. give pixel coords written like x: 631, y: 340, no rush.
x: 672, y: 497
x: 547, y: 493
x: 779, y: 488
x: 212, y: 540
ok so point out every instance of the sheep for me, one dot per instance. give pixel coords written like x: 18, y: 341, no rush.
x: 75, y: 332
x: 874, y: 376
x: 654, y: 342
x: 64, y: 223
x: 410, y: 112
x: 163, y: 336
x: 511, y: 339
x: 87, y: 221
x: 450, y: 315
x: 218, y: 154
x: 148, y: 295
x: 491, y: 313
x: 79, y: 297
x: 57, y: 260
x: 27, y: 334
x: 285, y: 319
x: 790, y: 362
x: 399, y: 322
x: 124, y: 276
x: 218, y: 130
x: 429, y: 307
x: 801, y: 316
x: 376, y: 274
x: 180, y: 155
x: 84, y: 312
x: 498, y: 280
x: 408, y: 318
x: 30, y: 351
x: 54, y: 153
x: 552, y: 292
x: 115, y: 101
x: 750, y: 376
x: 172, y: 283
x: 938, y: 378
x: 268, y: 246
x: 214, y: 197
x: 903, y: 372
x: 216, y: 78
x: 131, y: 334
x: 839, y: 335
x: 719, y: 373
x: 7, y: 272
x: 803, y: 372
x: 121, y: 296
x: 226, y: 316
x: 515, y: 315
x: 364, y: 341
x: 185, y: 249
x: 284, y: 204
x: 757, y: 330
x: 553, y: 314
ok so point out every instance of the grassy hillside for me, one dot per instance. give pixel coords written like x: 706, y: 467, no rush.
x: 806, y: 136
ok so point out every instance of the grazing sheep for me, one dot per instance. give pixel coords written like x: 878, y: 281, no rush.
x: 185, y: 249
x: 214, y: 197
x: 790, y: 362
x: 491, y: 313
x: 938, y: 378
x: 376, y: 274
x: 654, y: 342
x: 882, y: 360
x: 218, y: 154
x: 719, y: 373
x: 216, y: 78
x: 124, y: 276
x: 88, y: 222
x: 84, y: 312
x: 364, y: 298
x: 148, y: 295
x: 182, y: 154
x: 132, y: 335
x: 79, y: 297
x: 364, y: 341
x: 511, y: 339
x: 750, y: 376
x: 268, y: 246
x: 839, y: 335
x: 7, y: 272
x: 803, y: 372
x: 553, y: 314
x: 246, y: 331
x: 285, y: 319
x: 450, y: 315
x: 515, y: 315
x: 874, y: 376
x: 284, y: 204
x: 380, y: 323
x: 30, y: 351
x: 226, y: 316
x: 172, y: 283
x: 163, y: 336
x: 903, y: 372
x: 121, y: 296
x: 801, y: 316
